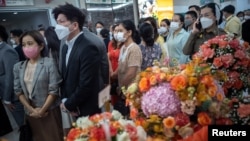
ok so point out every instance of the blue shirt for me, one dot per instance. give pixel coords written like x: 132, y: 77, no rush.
x: 174, y: 46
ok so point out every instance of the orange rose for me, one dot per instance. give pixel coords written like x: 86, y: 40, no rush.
x: 204, y: 119
x: 133, y: 113
x: 208, y: 80
x: 212, y: 90
x: 144, y: 84
x: 178, y: 83
x: 153, y: 80
x: 169, y: 122
x: 219, y: 96
x: 162, y: 76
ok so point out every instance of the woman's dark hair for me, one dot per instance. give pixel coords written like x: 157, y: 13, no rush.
x: 166, y: 21
x: 129, y: 25
x: 99, y: 22
x: 212, y: 6
x: 154, y: 24
x: 241, y: 12
x: 3, y: 33
x: 38, y: 37
x: 53, y: 43
x: 71, y: 12
x: 147, y: 34
x: 181, y: 18
x: 104, y: 33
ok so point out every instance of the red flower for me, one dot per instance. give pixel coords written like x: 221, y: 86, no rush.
x: 73, y: 134
x: 181, y: 119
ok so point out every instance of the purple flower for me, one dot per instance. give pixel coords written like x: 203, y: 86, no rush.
x: 160, y: 100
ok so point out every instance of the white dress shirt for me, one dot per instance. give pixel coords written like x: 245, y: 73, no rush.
x: 70, y: 45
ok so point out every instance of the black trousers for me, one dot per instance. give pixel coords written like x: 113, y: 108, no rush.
x: 5, y: 126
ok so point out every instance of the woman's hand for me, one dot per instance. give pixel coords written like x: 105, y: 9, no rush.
x: 38, y: 113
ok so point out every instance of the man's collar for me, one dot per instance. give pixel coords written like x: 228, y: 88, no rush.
x: 229, y: 17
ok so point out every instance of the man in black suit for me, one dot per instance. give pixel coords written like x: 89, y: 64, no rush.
x: 82, y: 63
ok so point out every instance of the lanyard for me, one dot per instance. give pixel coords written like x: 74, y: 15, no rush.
x: 122, y: 55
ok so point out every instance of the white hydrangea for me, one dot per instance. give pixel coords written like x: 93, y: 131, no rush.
x: 116, y: 115
x: 84, y: 122
x: 124, y: 136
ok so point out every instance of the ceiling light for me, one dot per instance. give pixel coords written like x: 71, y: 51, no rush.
x: 4, y: 20
x: 15, y: 13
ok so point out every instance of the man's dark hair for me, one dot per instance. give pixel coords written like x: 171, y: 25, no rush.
x: 229, y: 9
x: 196, y: 7
x: 16, y: 32
x: 192, y: 13
x: 71, y: 12
x: 240, y: 12
x: 99, y: 22
x: 86, y: 14
x: 104, y: 33
x: 3, y: 33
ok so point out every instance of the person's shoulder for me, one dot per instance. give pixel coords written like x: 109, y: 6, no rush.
x: 48, y: 61
x: 221, y: 31
x: 19, y: 64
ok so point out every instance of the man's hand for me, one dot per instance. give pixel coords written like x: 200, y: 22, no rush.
x: 63, y: 108
x: 10, y: 106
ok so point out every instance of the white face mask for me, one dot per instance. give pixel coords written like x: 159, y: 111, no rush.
x: 247, y: 17
x: 120, y: 37
x: 115, y: 36
x: 241, y: 18
x: 162, y: 30
x: 174, y: 26
x: 61, y: 31
x: 12, y: 41
x: 98, y: 30
x: 206, y: 22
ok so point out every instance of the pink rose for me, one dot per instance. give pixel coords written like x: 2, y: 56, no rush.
x: 227, y: 60
x: 233, y: 75
x: 234, y: 44
x: 217, y: 62
x: 207, y: 53
x: 239, y: 54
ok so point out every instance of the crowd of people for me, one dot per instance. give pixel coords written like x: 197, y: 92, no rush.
x: 51, y: 76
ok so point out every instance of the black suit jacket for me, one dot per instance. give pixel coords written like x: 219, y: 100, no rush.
x: 83, y: 77
x: 246, y: 30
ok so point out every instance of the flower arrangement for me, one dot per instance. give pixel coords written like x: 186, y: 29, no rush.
x: 226, y: 55
x: 105, y: 127
x: 174, y: 103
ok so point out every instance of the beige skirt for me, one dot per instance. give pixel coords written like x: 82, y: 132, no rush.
x: 48, y: 128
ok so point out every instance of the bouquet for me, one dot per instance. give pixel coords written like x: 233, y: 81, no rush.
x: 227, y: 56
x: 105, y: 127
x: 174, y: 103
